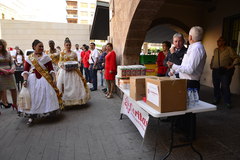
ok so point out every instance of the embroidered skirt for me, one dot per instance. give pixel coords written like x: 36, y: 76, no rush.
x: 74, y: 88
x: 43, y: 97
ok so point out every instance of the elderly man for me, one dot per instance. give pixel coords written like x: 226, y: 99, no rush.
x: 223, y: 65
x: 193, y: 61
x: 191, y: 69
x: 177, y: 51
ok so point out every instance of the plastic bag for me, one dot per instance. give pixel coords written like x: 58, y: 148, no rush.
x: 24, y: 99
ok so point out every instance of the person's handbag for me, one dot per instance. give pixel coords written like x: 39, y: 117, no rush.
x: 98, y: 65
x: 24, y: 99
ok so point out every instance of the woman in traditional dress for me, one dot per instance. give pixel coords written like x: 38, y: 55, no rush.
x: 110, y: 69
x: 7, y: 79
x: 54, y: 54
x: 40, y: 80
x: 71, y: 83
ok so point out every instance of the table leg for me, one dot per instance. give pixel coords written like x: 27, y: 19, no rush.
x: 196, y: 152
x: 192, y: 136
x: 155, y: 150
x: 171, y: 142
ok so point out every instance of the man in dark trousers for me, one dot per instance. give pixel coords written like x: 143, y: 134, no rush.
x: 191, y: 69
x: 223, y: 65
x: 93, y: 60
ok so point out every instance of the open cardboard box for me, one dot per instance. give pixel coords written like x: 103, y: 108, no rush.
x: 137, y: 87
x: 165, y: 94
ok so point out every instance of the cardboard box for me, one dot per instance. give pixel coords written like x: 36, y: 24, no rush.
x: 117, y: 80
x: 124, y: 83
x: 137, y: 87
x: 165, y: 94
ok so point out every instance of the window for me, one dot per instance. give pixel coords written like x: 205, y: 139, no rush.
x: 83, y: 5
x: 92, y: 14
x: 92, y: 5
x: 72, y: 11
x: 84, y: 22
x: 84, y: 14
x: 72, y: 20
x: 231, y: 30
x: 72, y: 5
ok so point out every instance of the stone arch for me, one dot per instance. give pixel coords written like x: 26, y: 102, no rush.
x: 145, y: 18
x: 173, y: 24
x: 171, y: 21
x: 140, y: 22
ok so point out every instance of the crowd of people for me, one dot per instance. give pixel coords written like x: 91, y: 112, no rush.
x: 57, y: 79
x: 188, y: 63
x: 53, y: 79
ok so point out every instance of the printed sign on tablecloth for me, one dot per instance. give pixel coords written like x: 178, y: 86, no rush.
x: 137, y: 115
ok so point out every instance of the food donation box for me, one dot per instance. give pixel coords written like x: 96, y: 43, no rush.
x: 165, y: 94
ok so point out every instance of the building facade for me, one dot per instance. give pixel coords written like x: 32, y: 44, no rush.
x: 131, y: 21
x: 80, y: 11
x: 31, y: 10
x: 22, y: 33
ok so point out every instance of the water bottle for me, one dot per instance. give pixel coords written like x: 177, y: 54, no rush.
x: 191, y: 101
x: 196, y: 97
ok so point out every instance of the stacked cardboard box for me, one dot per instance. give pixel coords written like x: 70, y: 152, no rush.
x: 137, y: 87
x: 151, y: 69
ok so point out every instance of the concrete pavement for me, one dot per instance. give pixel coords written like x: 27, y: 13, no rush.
x: 94, y: 132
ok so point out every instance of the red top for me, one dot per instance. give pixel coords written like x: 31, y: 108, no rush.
x: 110, y: 65
x: 48, y: 65
x: 161, y: 68
x: 82, y: 55
x: 85, y: 58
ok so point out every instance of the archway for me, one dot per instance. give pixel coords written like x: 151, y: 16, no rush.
x: 157, y: 31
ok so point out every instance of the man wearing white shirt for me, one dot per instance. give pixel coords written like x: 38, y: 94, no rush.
x: 191, y: 69
x: 78, y: 51
x: 193, y: 61
x: 93, y: 60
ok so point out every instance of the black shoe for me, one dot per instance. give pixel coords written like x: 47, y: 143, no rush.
x: 104, y: 89
x: 93, y: 89
x: 6, y: 106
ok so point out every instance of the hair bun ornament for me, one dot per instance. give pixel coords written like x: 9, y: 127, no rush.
x: 67, y: 40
